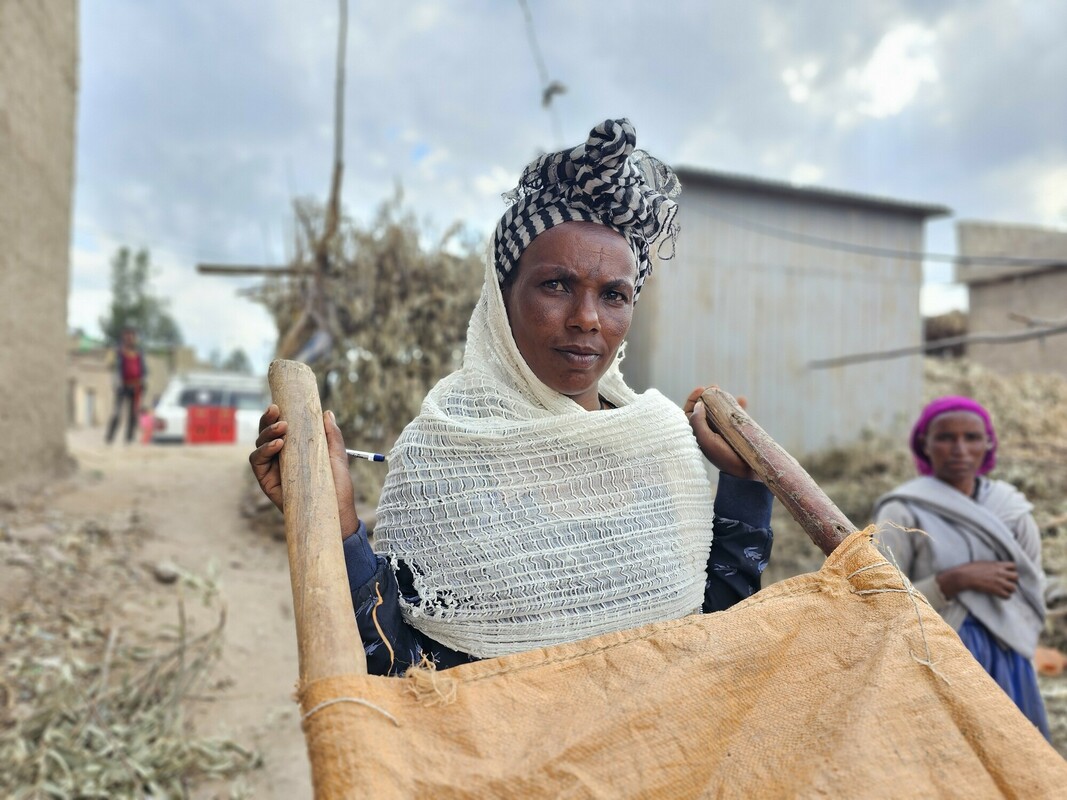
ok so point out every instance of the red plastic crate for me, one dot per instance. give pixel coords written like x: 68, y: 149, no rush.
x: 210, y: 425
x: 226, y: 425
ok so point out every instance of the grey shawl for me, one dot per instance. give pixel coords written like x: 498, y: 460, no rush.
x: 962, y: 530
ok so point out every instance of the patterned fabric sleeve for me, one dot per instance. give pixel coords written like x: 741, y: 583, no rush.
x: 390, y: 644
x: 742, y: 541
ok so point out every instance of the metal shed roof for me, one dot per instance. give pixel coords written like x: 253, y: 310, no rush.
x: 712, y: 178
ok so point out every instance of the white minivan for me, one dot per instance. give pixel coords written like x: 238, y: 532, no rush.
x: 247, y: 394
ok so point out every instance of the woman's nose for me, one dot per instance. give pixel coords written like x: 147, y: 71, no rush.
x: 584, y: 312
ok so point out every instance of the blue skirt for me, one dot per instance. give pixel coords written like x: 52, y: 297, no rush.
x: 1009, y: 669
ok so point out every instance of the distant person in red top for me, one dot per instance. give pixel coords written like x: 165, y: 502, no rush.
x: 129, y: 383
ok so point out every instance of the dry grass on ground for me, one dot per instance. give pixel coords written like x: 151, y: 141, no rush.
x: 90, y: 706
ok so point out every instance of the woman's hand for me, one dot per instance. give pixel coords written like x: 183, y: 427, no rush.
x: 715, y: 448
x: 998, y: 578
x: 264, y: 461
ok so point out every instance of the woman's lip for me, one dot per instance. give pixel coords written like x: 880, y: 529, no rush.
x: 579, y: 358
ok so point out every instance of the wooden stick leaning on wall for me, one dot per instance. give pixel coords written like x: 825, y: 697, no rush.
x: 806, y: 502
x: 327, y: 639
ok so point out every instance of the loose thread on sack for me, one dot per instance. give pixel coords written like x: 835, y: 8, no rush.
x: 882, y: 591
x: 430, y: 687
x: 864, y: 569
x: 909, y: 590
x: 900, y: 527
x: 357, y: 700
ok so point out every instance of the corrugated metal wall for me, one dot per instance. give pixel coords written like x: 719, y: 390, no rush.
x: 748, y: 311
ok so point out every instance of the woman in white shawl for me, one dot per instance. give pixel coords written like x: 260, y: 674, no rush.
x: 980, y: 563
x: 537, y: 499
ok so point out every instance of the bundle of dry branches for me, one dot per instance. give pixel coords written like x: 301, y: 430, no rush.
x: 394, y: 311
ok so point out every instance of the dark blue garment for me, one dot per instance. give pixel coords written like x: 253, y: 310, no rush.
x: 1012, y: 672
x: 740, y: 549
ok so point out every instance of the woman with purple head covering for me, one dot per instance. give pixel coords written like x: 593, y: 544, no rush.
x: 980, y: 563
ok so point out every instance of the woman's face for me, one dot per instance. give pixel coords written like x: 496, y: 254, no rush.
x: 570, y: 304
x: 956, y: 444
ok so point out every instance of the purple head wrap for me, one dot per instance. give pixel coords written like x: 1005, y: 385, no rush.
x: 944, y: 405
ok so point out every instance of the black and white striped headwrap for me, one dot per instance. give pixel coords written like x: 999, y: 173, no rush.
x: 604, y: 180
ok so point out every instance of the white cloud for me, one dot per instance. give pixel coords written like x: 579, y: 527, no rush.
x: 85, y: 307
x: 426, y: 16
x: 1049, y: 192
x: 430, y: 163
x: 799, y: 81
x: 806, y: 173
x: 495, y: 182
x: 902, y: 62
x: 1029, y: 190
x: 90, y: 265
x: 939, y: 298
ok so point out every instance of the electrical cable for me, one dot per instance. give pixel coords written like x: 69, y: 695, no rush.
x: 549, y: 88
x: 884, y: 252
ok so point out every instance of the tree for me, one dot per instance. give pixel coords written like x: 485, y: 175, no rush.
x: 237, y: 361
x: 134, y: 305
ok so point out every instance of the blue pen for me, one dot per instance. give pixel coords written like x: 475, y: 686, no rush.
x: 364, y: 454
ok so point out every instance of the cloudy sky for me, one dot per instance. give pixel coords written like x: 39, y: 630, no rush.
x: 199, y: 122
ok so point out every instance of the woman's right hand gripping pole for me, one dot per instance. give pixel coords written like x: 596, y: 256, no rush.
x: 265, y: 466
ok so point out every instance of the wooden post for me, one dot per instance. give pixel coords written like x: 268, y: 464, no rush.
x: 327, y: 638
x: 787, y: 480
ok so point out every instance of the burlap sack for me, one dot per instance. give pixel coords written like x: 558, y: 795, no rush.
x: 841, y: 683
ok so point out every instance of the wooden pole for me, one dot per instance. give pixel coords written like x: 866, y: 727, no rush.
x: 327, y: 639
x: 941, y: 344
x: 249, y: 269
x: 787, y: 480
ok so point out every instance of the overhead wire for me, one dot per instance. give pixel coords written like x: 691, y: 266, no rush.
x: 549, y: 87
x: 883, y: 252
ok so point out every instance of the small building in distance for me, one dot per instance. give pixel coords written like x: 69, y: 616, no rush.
x: 771, y: 276
x: 1008, y: 298
x: 92, y: 378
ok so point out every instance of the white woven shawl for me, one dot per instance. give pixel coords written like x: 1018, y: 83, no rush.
x: 526, y: 520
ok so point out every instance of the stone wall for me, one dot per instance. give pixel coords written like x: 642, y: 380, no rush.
x: 1040, y: 296
x: 1003, y: 296
x: 38, y: 90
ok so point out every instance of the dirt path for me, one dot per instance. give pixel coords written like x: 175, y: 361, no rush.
x: 189, y: 497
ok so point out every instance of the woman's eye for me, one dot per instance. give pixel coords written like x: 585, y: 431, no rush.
x: 616, y: 297
x: 553, y: 284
